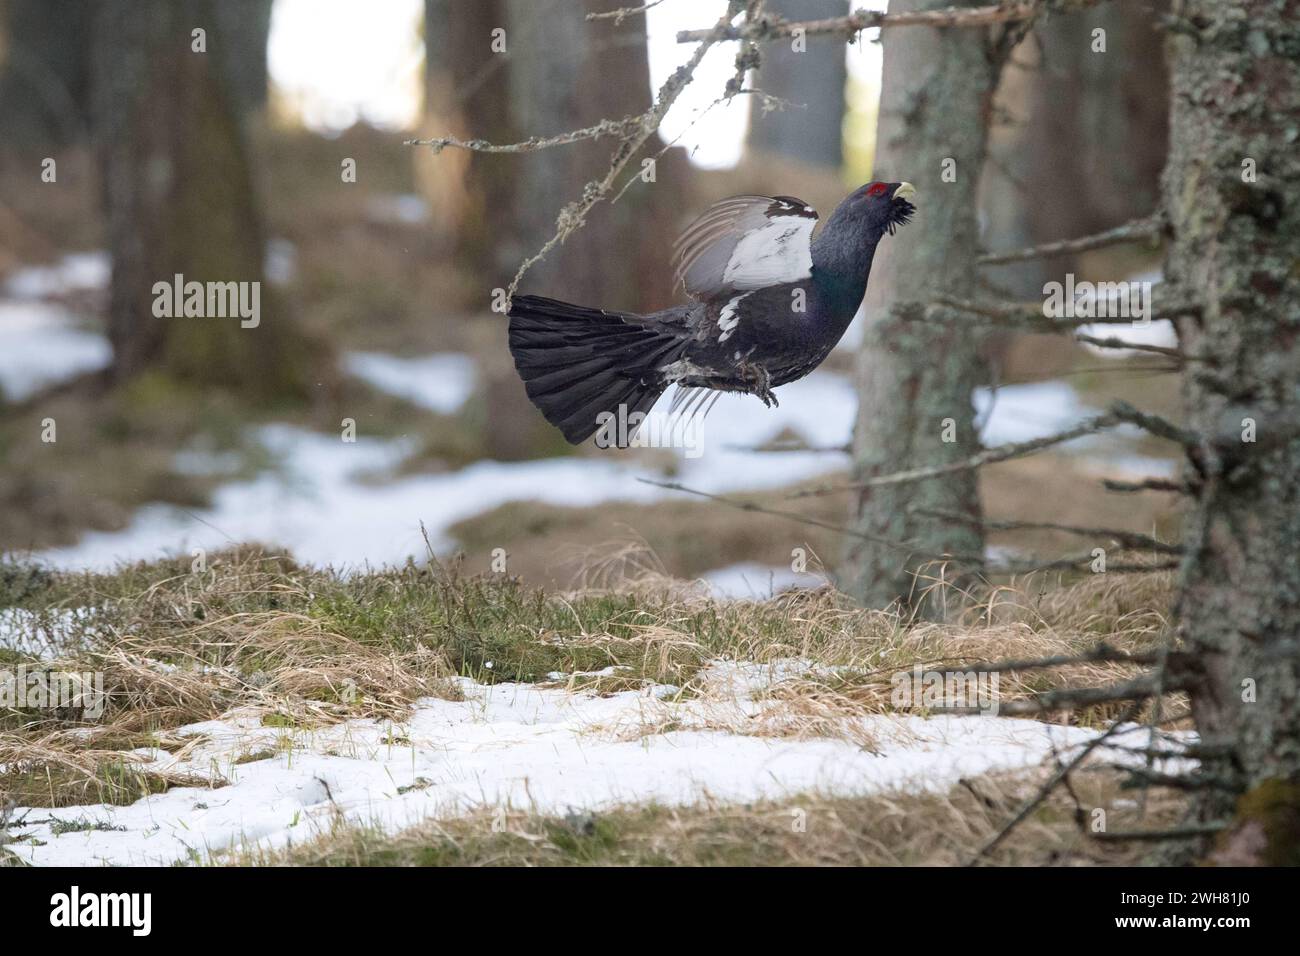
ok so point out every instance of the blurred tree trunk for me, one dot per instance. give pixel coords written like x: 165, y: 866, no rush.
x: 622, y: 258
x: 1069, y: 114
x: 180, y: 199
x: 558, y: 72
x: 466, y: 95
x: 44, y: 71
x: 916, y: 378
x: 244, y: 27
x: 811, y: 129
x: 1232, y: 191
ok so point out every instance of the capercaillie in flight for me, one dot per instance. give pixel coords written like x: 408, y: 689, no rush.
x: 768, y: 303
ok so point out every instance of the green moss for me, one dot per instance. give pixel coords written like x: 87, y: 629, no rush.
x: 1273, y: 805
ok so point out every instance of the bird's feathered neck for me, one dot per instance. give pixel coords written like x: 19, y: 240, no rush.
x: 841, y: 257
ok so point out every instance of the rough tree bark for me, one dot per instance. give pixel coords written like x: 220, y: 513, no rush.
x: 810, y: 130
x: 1236, y: 246
x: 180, y: 199
x: 915, y: 379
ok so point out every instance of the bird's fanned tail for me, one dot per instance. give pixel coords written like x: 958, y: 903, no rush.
x: 578, y: 362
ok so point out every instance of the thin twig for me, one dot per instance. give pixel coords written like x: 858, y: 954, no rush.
x: 1176, y: 833
x: 912, y: 547
x: 988, y: 456
x: 1128, y: 539
x: 1147, y: 484
x: 1031, y: 317
x: 622, y: 13
x: 774, y: 28
x: 805, y: 519
x: 1115, y: 342
x: 1046, y: 789
x: 623, y: 127
x: 1132, y: 231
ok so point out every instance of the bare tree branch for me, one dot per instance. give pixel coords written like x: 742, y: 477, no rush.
x: 913, y: 548
x: 805, y: 519
x: 1132, y: 231
x: 1176, y: 833
x: 1114, y: 342
x: 626, y: 126
x: 622, y: 13
x: 1031, y: 317
x: 633, y: 132
x: 986, y: 457
x: 1128, y: 539
x: 1147, y: 484
x: 1045, y: 790
x: 769, y: 28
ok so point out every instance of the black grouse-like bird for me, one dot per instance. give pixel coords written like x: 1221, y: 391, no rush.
x: 769, y: 303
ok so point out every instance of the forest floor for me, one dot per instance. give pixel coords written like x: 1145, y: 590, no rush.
x: 257, y: 711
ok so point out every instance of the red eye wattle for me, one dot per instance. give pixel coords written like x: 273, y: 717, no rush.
x: 877, y: 189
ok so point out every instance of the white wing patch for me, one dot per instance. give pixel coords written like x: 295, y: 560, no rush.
x: 729, y: 317
x: 777, y: 252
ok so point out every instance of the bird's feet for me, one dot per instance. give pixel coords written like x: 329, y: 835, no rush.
x: 761, y: 384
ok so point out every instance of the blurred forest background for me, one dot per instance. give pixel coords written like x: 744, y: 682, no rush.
x: 231, y: 164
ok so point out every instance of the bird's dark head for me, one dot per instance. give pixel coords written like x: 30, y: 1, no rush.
x: 876, y: 208
x: 847, y: 243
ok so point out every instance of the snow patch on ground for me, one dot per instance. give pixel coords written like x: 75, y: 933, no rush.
x: 318, y: 505
x: 43, y: 346
x: 76, y: 272
x: 440, y: 382
x: 518, y: 745
x: 750, y: 580
x: 43, y: 634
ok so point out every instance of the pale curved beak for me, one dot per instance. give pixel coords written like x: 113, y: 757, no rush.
x: 905, y: 191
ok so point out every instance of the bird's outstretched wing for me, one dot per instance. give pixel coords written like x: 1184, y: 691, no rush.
x: 745, y: 243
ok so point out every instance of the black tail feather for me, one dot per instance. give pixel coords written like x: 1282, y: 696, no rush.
x: 578, y: 362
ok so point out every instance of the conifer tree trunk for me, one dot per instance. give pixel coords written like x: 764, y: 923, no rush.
x: 916, y: 378
x: 1232, y: 191
x: 181, y: 199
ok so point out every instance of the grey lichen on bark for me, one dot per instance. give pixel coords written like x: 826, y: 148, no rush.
x: 1232, y: 192
x: 915, y: 378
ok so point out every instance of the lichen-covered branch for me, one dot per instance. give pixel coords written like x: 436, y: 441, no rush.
x: 624, y: 127
x: 1030, y: 316
x: 632, y: 133
x: 988, y: 456
x: 765, y: 29
x: 1134, y: 231
x: 1127, y: 539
